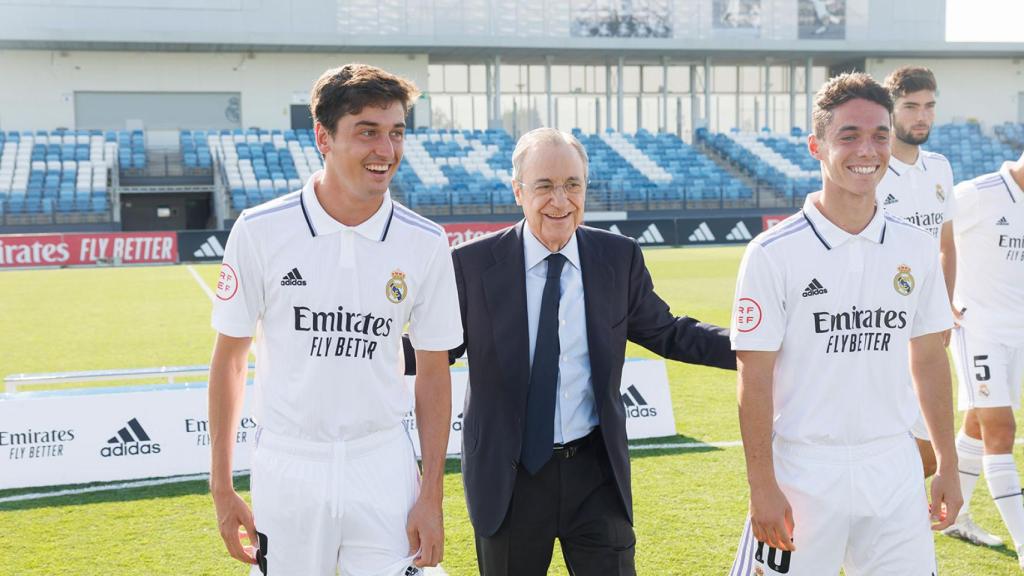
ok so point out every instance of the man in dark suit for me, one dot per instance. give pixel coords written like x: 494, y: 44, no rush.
x: 547, y: 306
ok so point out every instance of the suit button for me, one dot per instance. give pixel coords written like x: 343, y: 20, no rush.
x: 515, y: 465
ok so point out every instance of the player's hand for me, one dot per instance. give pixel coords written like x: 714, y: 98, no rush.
x: 771, y: 517
x: 946, y: 500
x: 233, y: 513
x: 425, y: 529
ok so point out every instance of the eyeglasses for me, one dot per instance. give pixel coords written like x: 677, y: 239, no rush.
x: 570, y: 188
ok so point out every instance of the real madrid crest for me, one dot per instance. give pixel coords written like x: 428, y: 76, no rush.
x: 940, y: 193
x: 396, y: 288
x: 983, y: 390
x: 904, y: 281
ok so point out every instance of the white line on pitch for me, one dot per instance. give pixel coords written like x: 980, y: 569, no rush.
x: 189, y: 478
x: 200, y: 281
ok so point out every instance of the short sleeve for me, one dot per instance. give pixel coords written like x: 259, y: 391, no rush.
x: 967, y: 212
x: 933, y: 313
x: 949, y: 204
x: 239, y: 299
x: 435, y: 323
x: 759, y: 308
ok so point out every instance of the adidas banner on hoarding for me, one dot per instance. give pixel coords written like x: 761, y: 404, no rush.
x: 202, y: 245
x: 75, y: 437
x: 645, y: 232
x: 717, y: 230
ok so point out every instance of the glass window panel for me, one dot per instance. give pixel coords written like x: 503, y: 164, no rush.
x: 576, y: 79
x: 455, y: 78
x: 723, y: 79
x: 478, y: 78
x: 751, y: 79
x: 435, y: 78
x: 631, y: 79
x: 559, y: 79
x: 679, y: 78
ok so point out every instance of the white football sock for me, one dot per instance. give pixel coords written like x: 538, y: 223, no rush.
x: 969, y: 452
x: 1004, y: 485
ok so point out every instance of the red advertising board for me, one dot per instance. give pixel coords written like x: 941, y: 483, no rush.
x: 769, y: 221
x: 459, y: 232
x: 32, y: 250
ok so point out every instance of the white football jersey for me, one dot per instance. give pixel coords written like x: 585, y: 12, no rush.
x: 989, y: 232
x: 331, y: 302
x: 840, y: 309
x: 920, y: 193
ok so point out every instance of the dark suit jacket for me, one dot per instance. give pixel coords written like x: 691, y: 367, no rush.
x: 620, y: 305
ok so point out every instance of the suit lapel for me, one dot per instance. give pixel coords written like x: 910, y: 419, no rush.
x: 504, y: 286
x: 598, y: 286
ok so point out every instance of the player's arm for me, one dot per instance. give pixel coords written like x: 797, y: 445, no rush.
x: 947, y: 258
x: 929, y: 368
x: 433, y: 418
x: 228, y: 370
x: 771, y: 517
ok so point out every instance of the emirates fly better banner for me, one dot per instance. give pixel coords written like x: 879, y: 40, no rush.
x: 55, y: 439
x: 35, y: 250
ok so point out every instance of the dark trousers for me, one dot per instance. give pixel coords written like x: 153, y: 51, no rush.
x: 572, y: 498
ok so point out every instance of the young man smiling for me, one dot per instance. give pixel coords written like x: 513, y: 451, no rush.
x: 825, y: 394
x: 325, y: 279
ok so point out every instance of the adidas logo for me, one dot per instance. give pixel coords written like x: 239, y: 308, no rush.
x: 293, y: 278
x: 702, y: 234
x: 131, y: 440
x: 210, y: 248
x: 814, y: 289
x: 1002, y: 222
x: 636, y: 405
x: 739, y: 232
x: 651, y: 236
x: 890, y: 199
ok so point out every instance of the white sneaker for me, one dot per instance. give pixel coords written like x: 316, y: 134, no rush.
x: 966, y: 529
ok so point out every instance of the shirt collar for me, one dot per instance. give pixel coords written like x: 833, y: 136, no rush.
x: 897, y: 166
x: 321, y: 223
x: 534, y: 252
x: 832, y: 236
x: 1011, y: 185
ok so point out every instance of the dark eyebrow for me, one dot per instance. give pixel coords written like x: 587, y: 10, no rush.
x: 371, y: 124
x: 542, y: 181
x: 851, y: 128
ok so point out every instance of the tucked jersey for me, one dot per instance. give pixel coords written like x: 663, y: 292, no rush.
x: 920, y: 193
x: 327, y: 304
x: 989, y: 232
x: 840, y: 309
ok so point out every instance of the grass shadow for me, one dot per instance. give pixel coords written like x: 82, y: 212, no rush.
x: 678, y: 444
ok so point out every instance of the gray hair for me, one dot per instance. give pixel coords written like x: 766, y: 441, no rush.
x: 545, y: 136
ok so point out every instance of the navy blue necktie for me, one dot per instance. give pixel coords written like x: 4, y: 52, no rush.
x: 539, y: 431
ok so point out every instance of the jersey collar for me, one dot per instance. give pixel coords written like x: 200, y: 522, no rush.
x: 1011, y: 185
x: 320, y: 222
x: 899, y: 168
x: 832, y: 236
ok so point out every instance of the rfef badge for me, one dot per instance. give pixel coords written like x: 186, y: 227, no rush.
x: 396, y: 287
x: 904, y: 281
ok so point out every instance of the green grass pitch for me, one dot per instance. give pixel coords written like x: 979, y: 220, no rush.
x: 690, y: 504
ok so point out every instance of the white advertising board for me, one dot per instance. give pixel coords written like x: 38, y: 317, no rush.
x: 49, y: 439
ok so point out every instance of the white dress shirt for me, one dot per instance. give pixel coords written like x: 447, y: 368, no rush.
x: 575, y: 409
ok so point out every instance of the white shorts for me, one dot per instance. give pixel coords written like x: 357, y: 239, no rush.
x: 321, y: 507
x: 860, y: 507
x: 989, y: 373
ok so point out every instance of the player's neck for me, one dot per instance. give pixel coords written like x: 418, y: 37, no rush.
x: 343, y: 204
x: 850, y: 212
x: 906, y: 153
x: 1017, y: 173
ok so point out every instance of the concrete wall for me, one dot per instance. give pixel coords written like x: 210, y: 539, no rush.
x: 38, y: 86
x: 988, y: 91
